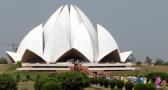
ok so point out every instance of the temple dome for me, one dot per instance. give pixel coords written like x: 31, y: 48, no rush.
x: 68, y: 32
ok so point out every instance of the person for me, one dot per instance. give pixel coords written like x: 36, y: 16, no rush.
x: 158, y: 82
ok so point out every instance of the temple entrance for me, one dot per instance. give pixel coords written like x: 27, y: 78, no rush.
x: 111, y: 57
x: 73, y: 56
x: 31, y: 57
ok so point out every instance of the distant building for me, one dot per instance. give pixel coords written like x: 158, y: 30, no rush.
x: 67, y: 37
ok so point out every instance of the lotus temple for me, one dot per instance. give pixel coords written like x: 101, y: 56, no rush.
x: 66, y: 37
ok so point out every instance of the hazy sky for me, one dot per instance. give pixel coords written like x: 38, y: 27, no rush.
x: 138, y: 25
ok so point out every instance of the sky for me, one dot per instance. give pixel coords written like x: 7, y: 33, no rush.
x: 137, y: 25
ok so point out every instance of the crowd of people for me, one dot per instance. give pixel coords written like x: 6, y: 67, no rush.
x: 134, y: 79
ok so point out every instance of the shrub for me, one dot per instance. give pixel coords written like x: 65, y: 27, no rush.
x: 94, y: 81
x: 142, y: 86
x: 27, y: 77
x: 7, y: 82
x: 51, y: 86
x: 74, y: 81
x: 101, y: 81
x: 112, y: 84
x: 150, y: 87
x: 120, y: 84
x: 106, y: 83
x: 116, y: 89
x: 17, y: 76
x: 129, y: 85
x: 41, y: 81
x: 153, y: 75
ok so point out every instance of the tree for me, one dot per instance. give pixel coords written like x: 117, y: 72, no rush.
x: 159, y: 61
x: 131, y: 58
x: 3, y: 61
x: 138, y: 63
x: 148, y: 60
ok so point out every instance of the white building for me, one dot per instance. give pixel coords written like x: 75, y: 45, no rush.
x: 69, y: 36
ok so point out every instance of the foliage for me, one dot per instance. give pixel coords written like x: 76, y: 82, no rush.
x: 131, y: 58
x: 101, y: 81
x: 120, y: 84
x: 3, y: 61
x: 41, y: 81
x: 17, y: 76
x: 150, y: 87
x: 159, y: 62
x: 142, y: 86
x: 106, y: 83
x: 138, y: 63
x: 27, y: 77
x: 129, y: 85
x: 14, y: 66
x: 94, y: 81
x: 74, y: 81
x: 51, y: 86
x: 7, y: 82
x: 112, y: 84
x: 165, y: 63
x: 148, y: 60
x: 154, y: 75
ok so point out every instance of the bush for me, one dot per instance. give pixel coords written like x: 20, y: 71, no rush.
x: 69, y: 81
x: 154, y: 75
x: 106, y: 83
x: 151, y: 87
x: 101, y: 81
x: 51, y: 86
x: 112, y: 84
x: 142, y: 86
x: 17, y: 76
x: 129, y: 85
x: 74, y: 81
x: 94, y: 81
x: 27, y: 77
x: 7, y: 82
x: 120, y: 84
x: 41, y: 81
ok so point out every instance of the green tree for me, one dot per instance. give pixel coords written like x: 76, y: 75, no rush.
x: 3, y: 60
x: 138, y: 63
x: 131, y: 58
x: 148, y: 60
x: 159, y: 61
